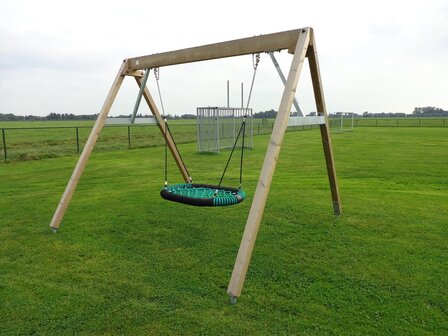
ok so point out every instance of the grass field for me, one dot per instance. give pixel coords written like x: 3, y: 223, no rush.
x: 34, y: 140
x: 49, y: 139
x: 126, y: 262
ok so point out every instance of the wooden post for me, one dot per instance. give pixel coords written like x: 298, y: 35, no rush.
x: 161, y: 124
x: 4, y: 144
x: 88, y: 148
x: 325, y: 128
x: 77, y: 140
x: 267, y: 171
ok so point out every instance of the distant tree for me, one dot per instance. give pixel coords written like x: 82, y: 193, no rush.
x: 188, y: 116
x: 266, y: 114
x: 430, y: 111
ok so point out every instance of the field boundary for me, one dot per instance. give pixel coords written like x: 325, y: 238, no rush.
x: 33, y: 143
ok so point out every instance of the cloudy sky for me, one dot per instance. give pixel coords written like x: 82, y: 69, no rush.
x: 376, y: 56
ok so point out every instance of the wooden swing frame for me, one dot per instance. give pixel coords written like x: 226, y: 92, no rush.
x: 301, y: 43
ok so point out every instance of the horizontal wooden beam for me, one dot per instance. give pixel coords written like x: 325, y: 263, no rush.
x: 134, y: 73
x: 245, y: 46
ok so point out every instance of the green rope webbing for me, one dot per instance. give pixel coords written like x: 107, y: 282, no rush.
x: 203, y: 194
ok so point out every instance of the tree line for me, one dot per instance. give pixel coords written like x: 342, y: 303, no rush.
x: 70, y: 116
x: 428, y: 111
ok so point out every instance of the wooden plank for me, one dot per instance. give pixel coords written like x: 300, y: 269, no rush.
x: 325, y: 128
x: 245, y: 46
x: 267, y: 171
x: 136, y: 73
x: 161, y: 124
x: 88, y: 148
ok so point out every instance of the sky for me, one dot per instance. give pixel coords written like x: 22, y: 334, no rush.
x: 375, y: 56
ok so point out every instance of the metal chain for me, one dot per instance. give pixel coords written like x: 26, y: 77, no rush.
x: 157, y: 75
x: 255, y: 61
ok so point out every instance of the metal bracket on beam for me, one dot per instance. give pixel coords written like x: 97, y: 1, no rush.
x: 301, y: 121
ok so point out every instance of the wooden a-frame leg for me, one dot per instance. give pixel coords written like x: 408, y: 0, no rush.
x: 267, y: 171
x: 324, y: 128
x: 88, y: 148
x: 161, y: 123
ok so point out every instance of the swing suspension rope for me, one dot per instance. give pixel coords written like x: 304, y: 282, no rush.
x: 168, y: 131
x: 205, y: 194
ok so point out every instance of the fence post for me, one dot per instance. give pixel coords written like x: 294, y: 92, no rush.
x: 420, y: 123
x: 444, y: 122
x: 397, y: 122
x: 376, y: 122
x: 4, y: 143
x: 77, y: 139
x: 129, y: 136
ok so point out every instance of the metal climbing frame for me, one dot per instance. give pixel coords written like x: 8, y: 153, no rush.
x: 217, y: 127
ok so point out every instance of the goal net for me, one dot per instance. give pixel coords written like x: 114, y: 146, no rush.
x: 217, y: 127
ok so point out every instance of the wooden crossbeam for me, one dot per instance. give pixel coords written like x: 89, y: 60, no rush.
x: 245, y: 46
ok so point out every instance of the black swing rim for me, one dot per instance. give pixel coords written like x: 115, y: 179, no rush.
x: 232, y: 195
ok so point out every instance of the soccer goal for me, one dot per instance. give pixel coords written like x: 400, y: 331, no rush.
x: 343, y: 122
x: 217, y: 127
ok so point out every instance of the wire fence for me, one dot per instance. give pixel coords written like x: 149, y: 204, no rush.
x: 32, y: 143
x: 400, y: 122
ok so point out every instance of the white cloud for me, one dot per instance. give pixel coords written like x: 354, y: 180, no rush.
x: 375, y: 55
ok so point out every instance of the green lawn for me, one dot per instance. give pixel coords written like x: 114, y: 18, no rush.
x: 126, y: 262
x: 49, y: 139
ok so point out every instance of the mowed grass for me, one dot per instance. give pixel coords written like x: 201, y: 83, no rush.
x: 126, y: 262
x: 34, y: 140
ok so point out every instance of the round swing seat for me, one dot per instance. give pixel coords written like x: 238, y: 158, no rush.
x: 202, y: 194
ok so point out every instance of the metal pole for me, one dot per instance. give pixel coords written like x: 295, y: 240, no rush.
x: 139, y: 96
x: 77, y: 140
x: 228, y: 95
x: 282, y: 77
x: 242, y: 95
x: 342, y: 122
x: 4, y: 143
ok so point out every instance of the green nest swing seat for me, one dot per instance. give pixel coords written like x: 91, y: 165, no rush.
x: 193, y: 193
x: 203, y: 194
